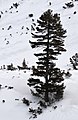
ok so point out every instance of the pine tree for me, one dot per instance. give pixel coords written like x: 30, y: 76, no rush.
x: 24, y: 63
x: 48, y: 36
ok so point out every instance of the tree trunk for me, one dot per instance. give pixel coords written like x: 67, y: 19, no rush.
x: 47, y: 69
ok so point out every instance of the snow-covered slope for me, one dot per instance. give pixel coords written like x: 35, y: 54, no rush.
x: 15, y: 33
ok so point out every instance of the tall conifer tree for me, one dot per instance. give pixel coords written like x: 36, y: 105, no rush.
x: 49, y: 36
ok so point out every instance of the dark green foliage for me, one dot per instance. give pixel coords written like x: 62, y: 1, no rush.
x: 9, y: 27
x: 11, y: 67
x: 49, y: 36
x: 35, y: 112
x: 55, y: 107
x: 15, y: 5
x: 69, y: 4
x: 3, y: 101
x: 25, y: 101
x: 31, y: 15
x: 24, y: 64
x: 10, y: 87
x: 74, y: 61
x: 42, y: 104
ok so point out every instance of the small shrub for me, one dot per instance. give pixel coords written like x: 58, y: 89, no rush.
x: 22, y: 27
x: 5, y: 86
x: 69, y: 4
x: 3, y: 101
x: 33, y: 20
x: 27, y: 28
x: 17, y: 11
x: 49, y: 3
x: 15, y: 5
x: 6, y: 11
x: 7, y: 42
x: 11, y: 35
x: 35, y: 112
x: 42, y: 104
x: 11, y: 67
x: 68, y: 74
x: 39, y: 110
x: 30, y: 15
x: 10, y: 87
x: 4, y: 67
x: 9, y: 27
x: 55, y: 107
x: 10, y: 7
x: 1, y: 12
x: 2, y: 28
x: 25, y: 101
x: 74, y: 12
x: 64, y: 7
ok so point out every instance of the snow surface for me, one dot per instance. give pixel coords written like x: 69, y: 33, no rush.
x: 14, y: 47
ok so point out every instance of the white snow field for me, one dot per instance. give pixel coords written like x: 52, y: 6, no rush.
x: 15, y: 33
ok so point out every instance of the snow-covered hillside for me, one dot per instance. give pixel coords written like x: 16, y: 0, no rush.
x: 15, y: 33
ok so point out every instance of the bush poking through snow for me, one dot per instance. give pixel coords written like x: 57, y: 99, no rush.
x: 35, y: 112
x: 9, y: 27
x: 67, y: 74
x: 64, y: 7
x: 15, y: 5
x: 55, y: 107
x: 42, y: 104
x: 3, y: 101
x: 49, y: 3
x: 1, y: 12
x: 25, y: 101
x: 30, y: 15
x: 69, y: 4
x: 10, y: 7
x: 11, y: 67
x: 74, y: 12
x: 10, y: 87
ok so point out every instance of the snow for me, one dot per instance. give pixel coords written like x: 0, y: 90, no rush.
x: 14, y: 47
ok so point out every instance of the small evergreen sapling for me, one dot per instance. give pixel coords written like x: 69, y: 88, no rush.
x: 24, y: 63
